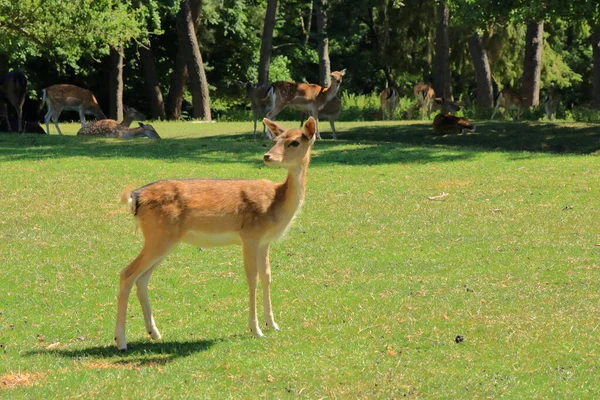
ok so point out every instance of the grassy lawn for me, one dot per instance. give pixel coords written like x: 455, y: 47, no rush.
x: 371, y: 285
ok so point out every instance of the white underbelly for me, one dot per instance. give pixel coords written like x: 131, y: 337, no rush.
x: 205, y: 239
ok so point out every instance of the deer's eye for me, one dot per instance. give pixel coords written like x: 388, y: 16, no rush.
x: 295, y: 143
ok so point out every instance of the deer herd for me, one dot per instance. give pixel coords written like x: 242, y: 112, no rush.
x: 222, y: 212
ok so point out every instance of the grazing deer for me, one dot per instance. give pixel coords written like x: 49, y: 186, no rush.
x: 508, y: 100
x: 144, y: 130
x: 446, y: 123
x: 212, y: 212
x: 424, y: 94
x: 69, y: 97
x: 389, y: 99
x: 307, y: 97
x: 105, y: 127
x: 259, y: 101
x: 330, y: 112
x: 13, y: 89
x: 550, y: 101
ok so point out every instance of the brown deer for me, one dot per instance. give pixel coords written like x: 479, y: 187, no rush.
x: 550, y: 101
x: 446, y: 124
x: 13, y: 90
x: 259, y: 101
x: 389, y: 99
x: 69, y: 97
x: 508, y: 100
x: 307, y: 97
x: 105, y: 127
x: 330, y: 112
x: 144, y: 130
x: 424, y: 94
x: 213, y: 212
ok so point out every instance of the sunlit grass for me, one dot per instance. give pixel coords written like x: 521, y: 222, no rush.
x: 372, y: 283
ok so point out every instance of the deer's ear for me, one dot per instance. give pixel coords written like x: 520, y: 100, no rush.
x: 310, y: 128
x: 343, y: 72
x: 274, y: 127
x: 140, y: 124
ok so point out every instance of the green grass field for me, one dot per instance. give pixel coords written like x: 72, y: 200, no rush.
x: 371, y: 285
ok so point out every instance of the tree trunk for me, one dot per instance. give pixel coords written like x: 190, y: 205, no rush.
x: 532, y: 67
x: 267, y: 43
x: 195, y: 65
x: 441, y: 81
x: 115, y: 84
x: 323, y: 44
x: 485, y: 92
x: 151, y: 81
x: 180, y: 74
x: 596, y: 79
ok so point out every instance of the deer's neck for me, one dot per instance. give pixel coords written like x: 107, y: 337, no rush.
x: 293, y: 189
x: 127, y: 120
x: 330, y: 92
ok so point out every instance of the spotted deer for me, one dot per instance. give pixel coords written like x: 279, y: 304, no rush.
x: 214, y: 212
x: 259, y: 101
x: 144, y: 130
x: 13, y: 90
x: 508, y: 100
x: 69, y: 97
x: 107, y: 127
x: 303, y: 96
x: 389, y: 99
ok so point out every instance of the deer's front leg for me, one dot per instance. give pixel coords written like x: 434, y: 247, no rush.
x: 250, y: 253
x: 264, y: 270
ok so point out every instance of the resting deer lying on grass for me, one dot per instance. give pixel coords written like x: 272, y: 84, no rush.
x: 446, y: 123
x: 106, y: 127
x: 211, y: 212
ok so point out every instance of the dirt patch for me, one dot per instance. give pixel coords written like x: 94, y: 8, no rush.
x: 10, y: 381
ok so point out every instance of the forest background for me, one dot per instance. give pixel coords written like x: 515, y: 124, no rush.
x: 182, y: 59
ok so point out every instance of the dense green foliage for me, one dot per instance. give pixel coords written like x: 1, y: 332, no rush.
x: 57, y: 41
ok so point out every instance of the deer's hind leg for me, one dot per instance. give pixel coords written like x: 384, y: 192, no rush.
x: 139, y: 272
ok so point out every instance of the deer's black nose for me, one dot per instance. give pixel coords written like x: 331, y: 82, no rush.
x: 267, y: 157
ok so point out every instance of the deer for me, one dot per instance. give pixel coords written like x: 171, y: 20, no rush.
x: 508, y: 100
x: 447, y: 123
x: 259, y: 101
x: 13, y: 90
x: 424, y: 94
x: 69, y: 97
x: 389, y: 99
x: 104, y: 127
x: 331, y: 111
x: 550, y: 101
x: 303, y: 96
x: 213, y: 212
x: 144, y: 130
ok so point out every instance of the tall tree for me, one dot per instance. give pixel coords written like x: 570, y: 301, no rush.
x: 483, y: 74
x: 532, y: 68
x: 195, y: 65
x: 596, y: 73
x: 323, y: 42
x: 266, y: 46
x: 441, y: 80
x: 115, y: 84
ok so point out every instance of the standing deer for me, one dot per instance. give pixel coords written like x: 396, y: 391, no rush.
x: 259, y: 101
x: 105, y: 127
x: 212, y: 212
x: 550, y: 101
x: 424, y: 94
x: 508, y: 100
x: 303, y: 96
x: 69, y: 97
x: 330, y: 112
x: 389, y: 99
x: 13, y: 89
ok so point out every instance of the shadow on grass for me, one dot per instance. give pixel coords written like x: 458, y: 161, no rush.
x: 362, y: 145
x: 142, y: 353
